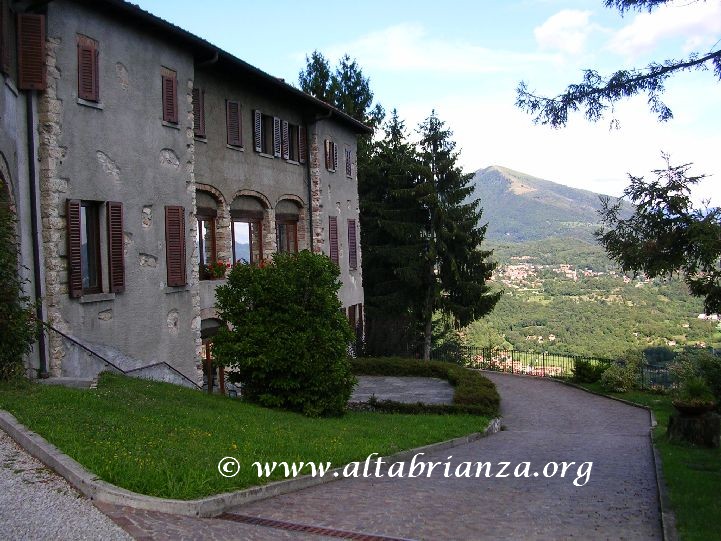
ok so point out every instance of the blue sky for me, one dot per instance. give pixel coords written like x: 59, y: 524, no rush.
x: 465, y: 58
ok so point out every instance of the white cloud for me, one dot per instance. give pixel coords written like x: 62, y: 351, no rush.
x: 699, y: 22
x: 566, y: 31
x: 409, y: 47
x: 582, y: 155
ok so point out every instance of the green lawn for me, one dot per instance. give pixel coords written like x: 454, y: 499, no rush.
x: 693, y: 474
x: 163, y: 440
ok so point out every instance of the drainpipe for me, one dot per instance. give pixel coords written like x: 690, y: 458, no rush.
x: 35, y: 230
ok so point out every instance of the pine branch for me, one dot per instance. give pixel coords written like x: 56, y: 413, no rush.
x: 597, y: 94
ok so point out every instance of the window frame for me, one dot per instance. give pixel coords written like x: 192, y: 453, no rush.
x: 169, y: 90
x: 209, y: 216
x: 251, y: 222
x: 92, y: 230
x: 285, y: 224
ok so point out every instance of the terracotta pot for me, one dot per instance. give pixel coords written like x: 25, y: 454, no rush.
x: 693, y: 408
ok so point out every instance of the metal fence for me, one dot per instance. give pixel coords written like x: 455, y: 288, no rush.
x: 541, y: 364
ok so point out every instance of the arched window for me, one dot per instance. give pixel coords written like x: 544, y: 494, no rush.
x: 287, y: 214
x: 207, y: 213
x: 247, y: 214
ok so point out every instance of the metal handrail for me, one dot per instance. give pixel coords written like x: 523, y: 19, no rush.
x: 106, y: 361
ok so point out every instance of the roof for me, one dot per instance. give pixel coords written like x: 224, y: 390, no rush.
x: 204, y: 50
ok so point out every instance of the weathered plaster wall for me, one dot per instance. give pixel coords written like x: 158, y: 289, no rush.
x: 234, y: 171
x: 334, y: 194
x: 121, y: 151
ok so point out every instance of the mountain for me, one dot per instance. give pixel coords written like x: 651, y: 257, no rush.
x: 519, y: 207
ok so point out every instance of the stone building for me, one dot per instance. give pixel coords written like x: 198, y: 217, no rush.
x: 138, y: 155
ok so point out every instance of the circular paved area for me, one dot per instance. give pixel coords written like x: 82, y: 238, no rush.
x: 545, y: 422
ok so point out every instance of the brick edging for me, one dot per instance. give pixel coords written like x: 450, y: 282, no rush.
x: 101, y: 491
x: 668, y: 517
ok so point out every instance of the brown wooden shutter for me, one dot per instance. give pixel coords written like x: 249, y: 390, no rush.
x: 170, y: 98
x: 116, y: 255
x: 352, y: 246
x: 88, y: 64
x: 233, y: 123
x: 302, y: 144
x: 258, y: 131
x: 199, y: 112
x: 31, y: 51
x: 276, y: 137
x: 75, y: 271
x: 348, y: 162
x: 175, y: 245
x: 333, y: 237
x: 328, y: 156
x: 5, y: 36
x: 285, y: 140
x: 335, y: 156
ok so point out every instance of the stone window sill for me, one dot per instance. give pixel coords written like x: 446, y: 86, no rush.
x: 237, y: 149
x: 170, y: 125
x: 201, y: 139
x: 264, y: 155
x: 97, y: 297
x: 293, y: 162
x: 91, y: 104
x: 176, y: 289
x: 11, y: 85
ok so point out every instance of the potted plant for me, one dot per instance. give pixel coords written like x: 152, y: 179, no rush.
x: 694, y: 397
x: 214, y: 271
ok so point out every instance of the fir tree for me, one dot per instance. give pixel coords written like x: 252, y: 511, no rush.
x: 454, y: 268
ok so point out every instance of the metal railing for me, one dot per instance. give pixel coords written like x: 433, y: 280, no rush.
x: 540, y: 364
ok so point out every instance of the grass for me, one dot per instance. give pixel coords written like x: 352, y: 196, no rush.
x: 693, y: 474
x: 164, y: 440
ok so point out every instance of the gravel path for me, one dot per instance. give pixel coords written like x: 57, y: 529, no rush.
x: 35, y: 503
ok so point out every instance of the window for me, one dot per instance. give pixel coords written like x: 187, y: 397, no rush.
x: 175, y: 245
x: 88, y: 69
x: 5, y: 37
x: 31, y: 51
x: 85, y: 275
x: 90, y: 248
x: 233, y: 123
x: 170, y: 95
x: 287, y: 233
x: 267, y: 134
x: 352, y: 245
x: 333, y: 238
x: 348, y: 163
x: 331, y: 155
x: 247, y: 243
x: 287, y: 214
x: 293, y: 146
x: 246, y: 215
x: 206, y: 243
x: 199, y: 112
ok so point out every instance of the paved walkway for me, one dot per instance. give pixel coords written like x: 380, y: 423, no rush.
x: 405, y: 389
x: 545, y: 422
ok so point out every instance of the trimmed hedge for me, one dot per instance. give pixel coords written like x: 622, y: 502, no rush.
x: 474, y: 393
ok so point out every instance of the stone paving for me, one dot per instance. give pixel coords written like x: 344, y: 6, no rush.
x: 403, y: 389
x: 545, y: 422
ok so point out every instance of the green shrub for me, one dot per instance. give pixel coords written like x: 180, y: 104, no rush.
x: 693, y: 363
x: 620, y: 378
x: 17, y: 330
x: 587, y: 371
x: 288, y: 346
x: 473, y: 393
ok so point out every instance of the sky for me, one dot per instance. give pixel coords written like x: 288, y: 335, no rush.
x: 464, y: 59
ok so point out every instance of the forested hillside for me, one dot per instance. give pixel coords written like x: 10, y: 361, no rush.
x: 561, y: 292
